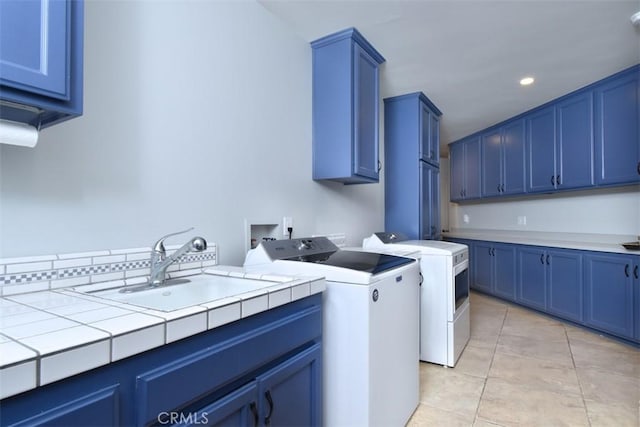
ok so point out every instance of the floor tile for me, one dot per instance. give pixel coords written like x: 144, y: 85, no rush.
x: 475, y: 361
x: 536, y: 373
x: 448, y: 390
x: 608, y: 388
x: 611, y: 414
x: 429, y: 416
x: 513, y: 403
x: 609, y: 357
x: 552, y: 350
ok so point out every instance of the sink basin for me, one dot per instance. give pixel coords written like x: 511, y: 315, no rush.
x: 185, y: 292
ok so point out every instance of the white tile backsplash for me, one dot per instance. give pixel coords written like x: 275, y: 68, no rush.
x: 31, y: 274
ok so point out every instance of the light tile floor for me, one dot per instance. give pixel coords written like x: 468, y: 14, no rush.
x: 521, y: 368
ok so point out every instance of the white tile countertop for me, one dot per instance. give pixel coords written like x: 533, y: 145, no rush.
x: 53, y: 334
x: 587, y: 242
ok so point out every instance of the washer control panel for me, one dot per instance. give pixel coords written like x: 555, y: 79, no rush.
x: 289, y: 248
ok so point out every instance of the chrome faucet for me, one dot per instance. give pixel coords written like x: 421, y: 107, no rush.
x: 160, y: 261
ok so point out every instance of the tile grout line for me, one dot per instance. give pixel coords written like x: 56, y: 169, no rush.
x: 493, y: 354
x: 575, y: 371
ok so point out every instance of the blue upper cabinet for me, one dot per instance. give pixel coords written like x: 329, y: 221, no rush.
x: 464, y: 158
x: 586, y: 139
x: 412, y: 191
x: 41, y: 46
x: 617, y: 123
x: 345, y: 108
x: 560, y: 145
x: 502, y: 160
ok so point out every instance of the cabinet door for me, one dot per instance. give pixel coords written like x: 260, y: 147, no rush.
x: 483, y: 267
x: 238, y: 408
x: 434, y: 138
x: 513, y: 147
x: 532, y: 277
x: 617, y: 113
x: 426, y: 150
x: 34, y: 46
x: 609, y: 294
x: 291, y: 393
x: 472, y: 167
x: 574, y: 162
x: 435, y: 204
x: 96, y: 409
x: 565, y: 284
x: 457, y: 172
x: 429, y: 202
x: 541, y: 150
x: 505, y: 271
x: 491, y: 163
x: 365, y: 114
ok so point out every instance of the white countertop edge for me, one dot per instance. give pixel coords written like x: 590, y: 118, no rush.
x: 315, y: 285
x: 587, y: 242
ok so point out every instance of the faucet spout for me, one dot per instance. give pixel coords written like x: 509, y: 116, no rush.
x: 160, y: 261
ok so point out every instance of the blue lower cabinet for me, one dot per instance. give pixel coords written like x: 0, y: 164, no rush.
x: 99, y: 408
x: 264, y: 369
x: 564, y: 270
x: 238, y: 408
x: 291, y: 392
x: 609, y: 292
x: 532, y: 278
x: 495, y: 269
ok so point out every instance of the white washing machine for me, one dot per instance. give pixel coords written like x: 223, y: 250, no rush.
x: 444, y: 294
x: 371, y: 327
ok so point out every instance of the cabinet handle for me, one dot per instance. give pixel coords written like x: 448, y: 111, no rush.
x: 547, y: 259
x: 635, y: 272
x: 626, y: 270
x: 267, y: 395
x: 254, y: 411
x: 558, y: 180
x: 421, y: 279
x: 379, y: 166
x: 502, y: 188
x: 499, y: 188
x: 638, y: 168
x: 553, y: 180
x: 461, y: 193
x: 432, y: 155
x: 542, y: 259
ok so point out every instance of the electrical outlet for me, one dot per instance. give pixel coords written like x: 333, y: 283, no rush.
x: 522, y: 220
x: 465, y: 218
x: 287, y: 222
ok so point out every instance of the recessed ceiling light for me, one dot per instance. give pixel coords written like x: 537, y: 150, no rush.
x: 527, y: 81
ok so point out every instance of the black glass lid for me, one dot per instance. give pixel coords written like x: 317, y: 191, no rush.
x: 369, y: 262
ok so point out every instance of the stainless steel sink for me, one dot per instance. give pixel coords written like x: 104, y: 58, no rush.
x: 184, y: 292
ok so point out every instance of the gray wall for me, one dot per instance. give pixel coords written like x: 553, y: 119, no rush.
x: 195, y: 114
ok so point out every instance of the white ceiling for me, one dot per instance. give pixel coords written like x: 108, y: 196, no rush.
x: 468, y: 56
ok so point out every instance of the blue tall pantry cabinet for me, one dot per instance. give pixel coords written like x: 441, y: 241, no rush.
x: 412, y: 168
x: 41, y: 57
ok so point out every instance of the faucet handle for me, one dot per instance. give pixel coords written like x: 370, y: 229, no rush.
x: 159, y: 245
